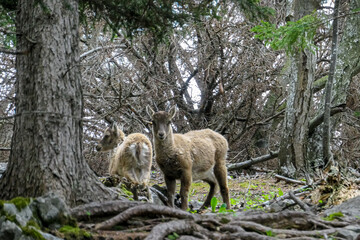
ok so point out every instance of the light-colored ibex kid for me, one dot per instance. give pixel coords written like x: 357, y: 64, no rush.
x: 131, y: 157
x: 196, y: 155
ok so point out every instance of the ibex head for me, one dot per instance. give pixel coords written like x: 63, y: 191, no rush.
x: 112, y: 137
x: 161, y: 122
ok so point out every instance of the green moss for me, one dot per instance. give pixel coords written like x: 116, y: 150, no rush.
x: 224, y: 220
x: 1, y: 204
x: 20, y: 202
x: 333, y: 216
x: 11, y: 218
x: 34, y: 224
x: 74, y: 233
x: 32, y: 232
x: 125, y: 190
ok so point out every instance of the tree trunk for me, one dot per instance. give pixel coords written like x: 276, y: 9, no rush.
x: 348, y: 63
x: 292, y: 153
x: 46, y: 146
x: 326, y: 127
x: 347, y: 66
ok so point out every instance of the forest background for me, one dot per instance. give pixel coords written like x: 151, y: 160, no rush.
x: 265, y: 94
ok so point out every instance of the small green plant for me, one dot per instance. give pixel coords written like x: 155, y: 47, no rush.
x: 173, y: 236
x: 333, y: 216
x: 88, y: 214
x: 222, y: 208
x: 213, y: 204
x: 234, y: 201
x: 270, y: 233
x: 280, y: 192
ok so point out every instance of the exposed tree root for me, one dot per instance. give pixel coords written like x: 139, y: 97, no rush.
x: 147, y: 221
x: 144, y: 210
x: 98, y: 209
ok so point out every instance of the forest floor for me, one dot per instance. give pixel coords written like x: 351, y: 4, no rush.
x: 249, y: 194
x: 246, y: 191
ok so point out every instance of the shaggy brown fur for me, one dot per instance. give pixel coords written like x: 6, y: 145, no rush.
x: 132, y: 156
x: 196, y: 155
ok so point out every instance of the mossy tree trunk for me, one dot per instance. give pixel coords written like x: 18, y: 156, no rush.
x: 46, y: 146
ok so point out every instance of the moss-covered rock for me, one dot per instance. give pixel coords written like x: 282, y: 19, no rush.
x: 33, y: 232
x: 74, y: 233
x: 25, y: 218
x: 20, y: 202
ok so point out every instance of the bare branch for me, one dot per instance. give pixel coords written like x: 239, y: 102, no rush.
x: 248, y: 163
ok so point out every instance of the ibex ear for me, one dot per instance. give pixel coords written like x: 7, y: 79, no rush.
x: 149, y: 111
x: 172, y: 112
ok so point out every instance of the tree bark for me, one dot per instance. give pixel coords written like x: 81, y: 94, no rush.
x: 348, y: 57
x: 347, y: 66
x: 292, y: 154
x: 46, y: 146
x: 327, y: 155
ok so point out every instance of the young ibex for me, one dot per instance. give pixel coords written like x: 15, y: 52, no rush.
x: 131, y: 157
x: 196, y: 155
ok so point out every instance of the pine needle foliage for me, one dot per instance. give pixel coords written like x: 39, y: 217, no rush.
x: 292, y: 37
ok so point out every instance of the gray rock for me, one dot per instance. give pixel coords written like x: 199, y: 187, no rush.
x: 350, y: 208
x: 9, y: 230
x: 48, y: 211
x: 26, y: 237
x: 10, y: 209
x: 51, y: 209
x: 48, y: 236
x: 195, y: 205
x: 278, y: 206
x: 155, y: 198
x: 22, y: 216
x: 349, y: 232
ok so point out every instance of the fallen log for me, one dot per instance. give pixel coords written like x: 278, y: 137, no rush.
x: 248, y: 163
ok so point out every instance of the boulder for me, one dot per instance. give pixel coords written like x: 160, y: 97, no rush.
x: 52, y: 210
x: 22, y: 218
x: 349, y: 208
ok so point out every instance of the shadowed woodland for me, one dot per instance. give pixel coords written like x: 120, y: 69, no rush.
x: 279, y: 99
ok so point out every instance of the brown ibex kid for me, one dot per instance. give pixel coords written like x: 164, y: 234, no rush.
x: 196, y: 155
x: 131, y: 157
